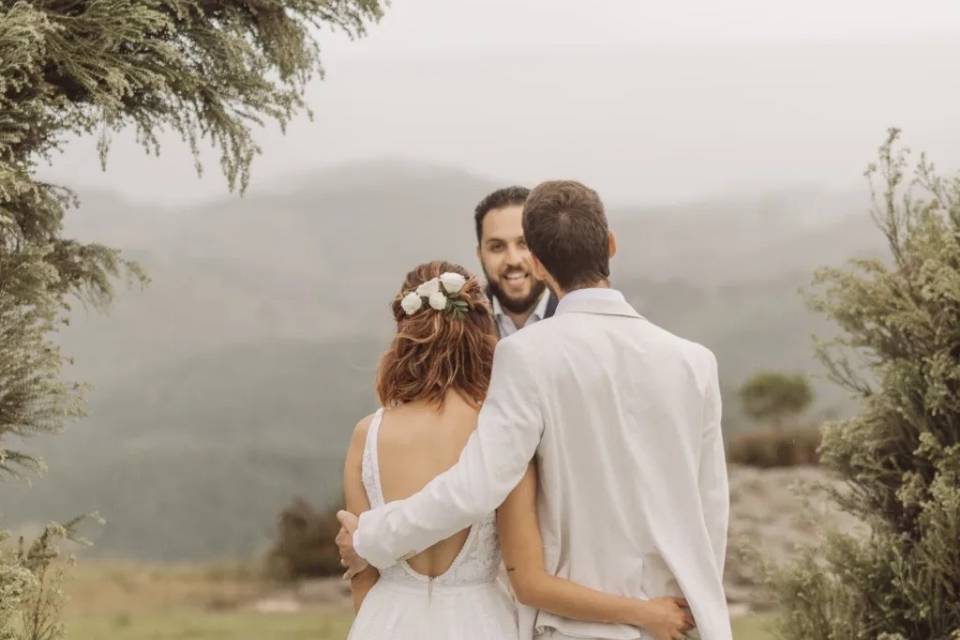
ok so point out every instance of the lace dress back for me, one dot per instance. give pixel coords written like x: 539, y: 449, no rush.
x: 466, y: 602
x: 479, y: 559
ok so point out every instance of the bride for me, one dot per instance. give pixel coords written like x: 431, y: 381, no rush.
x: 431, y: 382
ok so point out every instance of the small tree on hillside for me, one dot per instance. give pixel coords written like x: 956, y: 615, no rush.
x: 207, y: 69
x: 772, y: 397
x: 304, y: 546
x: 901, y: 455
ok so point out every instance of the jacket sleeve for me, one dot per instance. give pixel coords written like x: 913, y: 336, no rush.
x: 714, y: 488
x: 494, y: 460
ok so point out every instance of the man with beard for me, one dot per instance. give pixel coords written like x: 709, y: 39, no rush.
x: 518, y: 297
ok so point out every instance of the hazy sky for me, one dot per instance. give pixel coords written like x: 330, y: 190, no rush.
x: 647, y: 101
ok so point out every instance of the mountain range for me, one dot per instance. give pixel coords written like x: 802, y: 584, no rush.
x: 232, y: 382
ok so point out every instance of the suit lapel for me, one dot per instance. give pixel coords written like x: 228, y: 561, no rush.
x: 552, y: 303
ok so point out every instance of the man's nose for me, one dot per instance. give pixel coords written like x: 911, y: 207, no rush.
x: 515, y: 256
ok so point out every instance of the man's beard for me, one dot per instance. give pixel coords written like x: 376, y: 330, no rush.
x: 512, y: 305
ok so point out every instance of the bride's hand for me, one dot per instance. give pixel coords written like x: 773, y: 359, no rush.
x: 665, y: 618
x: 349, y: 558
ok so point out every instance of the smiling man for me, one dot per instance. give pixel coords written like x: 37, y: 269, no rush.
x: 518, y: 297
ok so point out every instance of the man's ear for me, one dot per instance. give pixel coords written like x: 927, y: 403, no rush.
x: 539, y: 271
x: 479, y: 259
x: 612, y: 240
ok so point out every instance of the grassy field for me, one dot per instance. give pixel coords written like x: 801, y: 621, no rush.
x: 199, y: 625
x: 752, y: 628
x: 123, y: 601
x: 258, y: 626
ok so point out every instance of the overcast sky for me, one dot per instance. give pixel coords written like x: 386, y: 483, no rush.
x: 647, y: 101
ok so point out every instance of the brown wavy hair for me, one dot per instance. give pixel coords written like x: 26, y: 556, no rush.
x: 434, y: 351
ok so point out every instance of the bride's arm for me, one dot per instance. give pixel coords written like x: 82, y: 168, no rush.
x: 356, y: 499
x: 522, y: 547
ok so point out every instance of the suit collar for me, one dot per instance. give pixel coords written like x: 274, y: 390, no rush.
x: 601, y: 301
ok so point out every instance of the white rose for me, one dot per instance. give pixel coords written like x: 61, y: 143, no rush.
x: 429, y: 288
x: 411, y: 303
x: 452, y: 282
x: 438, y: 301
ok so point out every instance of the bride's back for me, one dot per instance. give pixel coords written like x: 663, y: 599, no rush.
x: 417, y: 442
x: 432, y: 380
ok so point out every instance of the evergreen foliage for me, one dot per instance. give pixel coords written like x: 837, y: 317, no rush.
x: 207, y: 69
x: 899, y: 350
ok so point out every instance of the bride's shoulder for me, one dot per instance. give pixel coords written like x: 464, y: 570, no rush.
x: 361, y: 430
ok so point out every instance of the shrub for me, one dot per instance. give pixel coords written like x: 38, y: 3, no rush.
x: 773, y: 397
x: 304, y: 546
x: 900, y: 457
x: 775, y: 448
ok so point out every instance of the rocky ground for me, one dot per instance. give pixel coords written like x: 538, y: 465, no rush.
x: 774, y: 511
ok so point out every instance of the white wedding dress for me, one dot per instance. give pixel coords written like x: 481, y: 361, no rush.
x: 465, y: 603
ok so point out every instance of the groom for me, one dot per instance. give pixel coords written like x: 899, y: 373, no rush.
x: 624, y: 420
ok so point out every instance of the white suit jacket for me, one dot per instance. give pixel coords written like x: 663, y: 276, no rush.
x: 624, y: 419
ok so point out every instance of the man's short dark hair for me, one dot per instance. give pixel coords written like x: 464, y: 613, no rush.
x: 566, y: 229
x: 508, y: 196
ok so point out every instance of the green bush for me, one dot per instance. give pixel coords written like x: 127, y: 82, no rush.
x: 305, y: 547
x: 31, y: 580
x: 774, y: 448
x: 900, y: 457
x: 773, y: 397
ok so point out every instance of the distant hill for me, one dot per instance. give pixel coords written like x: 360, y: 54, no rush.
x: 231, y: 384
x: 193, y: 460
x: 315, y: 261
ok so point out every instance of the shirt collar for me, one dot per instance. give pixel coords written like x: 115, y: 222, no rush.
x: 497, y: 309
x: 541, y: 309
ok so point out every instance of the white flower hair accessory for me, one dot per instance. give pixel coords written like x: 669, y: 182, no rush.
x: 441, y: 294
x: 452, y: 282
x: 411, y: 303
x: 437, y: 300
x: 429, y: 288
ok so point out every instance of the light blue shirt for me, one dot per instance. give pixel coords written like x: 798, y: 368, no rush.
x: 596, y: 293
x: 505, y: 325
